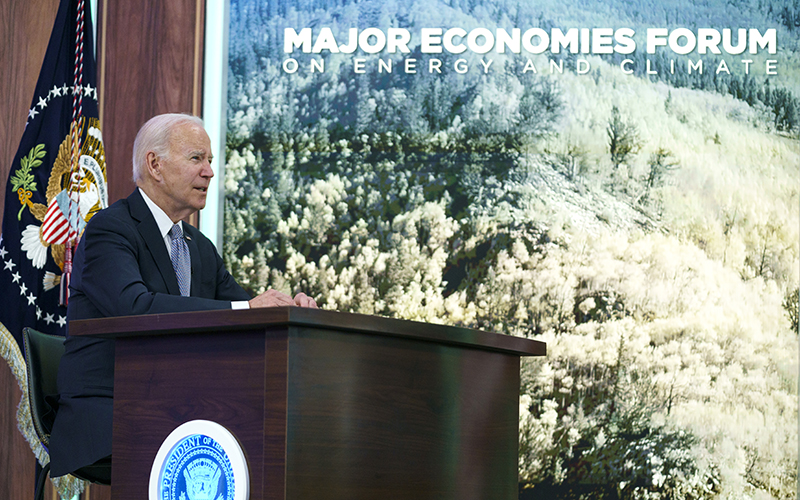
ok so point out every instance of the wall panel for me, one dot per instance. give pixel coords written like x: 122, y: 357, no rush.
x: 150, y: 67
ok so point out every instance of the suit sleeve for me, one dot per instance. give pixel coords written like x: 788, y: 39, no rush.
x: 117, y: 276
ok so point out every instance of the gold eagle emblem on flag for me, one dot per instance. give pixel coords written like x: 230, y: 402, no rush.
x: 73, y: 196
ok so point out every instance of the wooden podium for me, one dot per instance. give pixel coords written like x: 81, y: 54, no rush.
x: 326, y: 405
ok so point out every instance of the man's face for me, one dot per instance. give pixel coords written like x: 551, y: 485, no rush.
x: 187, y: 171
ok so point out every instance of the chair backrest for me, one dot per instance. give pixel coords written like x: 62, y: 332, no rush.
x: 42, y: 355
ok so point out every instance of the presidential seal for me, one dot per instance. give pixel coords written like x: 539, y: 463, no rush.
x: 199, y: 460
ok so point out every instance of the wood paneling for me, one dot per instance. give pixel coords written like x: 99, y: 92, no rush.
x: 152, y: 65
x: 208, y: 376
x: 376, y: 416
x: 230, y: 320
x: 17, y: 463
x: 24, y: 32
x: 97, y: 492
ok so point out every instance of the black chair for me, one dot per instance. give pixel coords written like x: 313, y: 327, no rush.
x: 42, y: 356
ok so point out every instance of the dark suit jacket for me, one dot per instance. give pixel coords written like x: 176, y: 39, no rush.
x: 121, y: 268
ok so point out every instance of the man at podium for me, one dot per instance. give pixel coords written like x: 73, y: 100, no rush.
x: 138, y: 257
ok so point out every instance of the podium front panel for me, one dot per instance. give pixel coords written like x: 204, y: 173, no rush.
x: 372, y: 417
x: 164, y: 381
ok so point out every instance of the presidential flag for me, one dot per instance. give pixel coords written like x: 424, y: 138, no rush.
x: 56, y: 183
x: 57, y: 179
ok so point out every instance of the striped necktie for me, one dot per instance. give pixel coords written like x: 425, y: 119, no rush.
x: 181, y: 261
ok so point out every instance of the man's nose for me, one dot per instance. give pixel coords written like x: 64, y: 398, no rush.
x: 207, y: 170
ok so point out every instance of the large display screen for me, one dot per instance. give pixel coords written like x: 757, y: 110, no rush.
x: 618, y: 178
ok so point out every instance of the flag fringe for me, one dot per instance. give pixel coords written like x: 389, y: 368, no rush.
x: 68, y: 486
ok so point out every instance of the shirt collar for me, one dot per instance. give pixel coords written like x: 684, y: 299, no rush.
x: 162, y: 219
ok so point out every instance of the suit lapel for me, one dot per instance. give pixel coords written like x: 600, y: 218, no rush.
x: 148, y: 229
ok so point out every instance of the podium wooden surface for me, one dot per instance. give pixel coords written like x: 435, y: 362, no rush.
x: 325, y: 404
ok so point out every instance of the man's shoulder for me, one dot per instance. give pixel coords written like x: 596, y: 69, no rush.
x: 121, y: 206
x: 117, y: 210
x: 115, y: 216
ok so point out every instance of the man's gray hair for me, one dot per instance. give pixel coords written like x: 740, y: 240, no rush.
x: 155, y: 136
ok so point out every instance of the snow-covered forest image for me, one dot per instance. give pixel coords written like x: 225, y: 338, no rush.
x: 639, y: 213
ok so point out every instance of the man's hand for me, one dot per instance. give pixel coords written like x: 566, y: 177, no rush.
x: 274, y: 298
x: 304, y: 300
x: 271, y: 298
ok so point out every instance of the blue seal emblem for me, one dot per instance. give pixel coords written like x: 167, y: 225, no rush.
x: 197, y: 468
x: 200, y: 460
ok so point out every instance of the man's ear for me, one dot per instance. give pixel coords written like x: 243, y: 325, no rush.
x: 153, y: 163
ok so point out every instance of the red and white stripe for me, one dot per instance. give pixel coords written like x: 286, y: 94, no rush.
x: 55, y: 228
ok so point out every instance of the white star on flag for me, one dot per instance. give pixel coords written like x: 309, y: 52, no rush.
x: 32, y: 112
x: 42, y: 102
x: 9, y: 265
x: 61, y: 321
x: 31, y: 299
x: 48, y: 318
x: 23, y: 289
x: 16, y: 277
